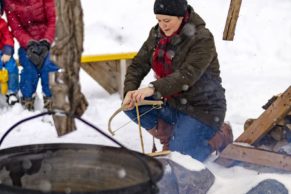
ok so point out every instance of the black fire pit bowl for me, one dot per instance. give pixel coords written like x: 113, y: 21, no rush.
x: 77, y: 169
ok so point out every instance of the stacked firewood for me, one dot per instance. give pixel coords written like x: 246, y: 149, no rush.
x: 278, y: 136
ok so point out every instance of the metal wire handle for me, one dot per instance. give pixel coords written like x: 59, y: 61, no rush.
x: 51, y: 113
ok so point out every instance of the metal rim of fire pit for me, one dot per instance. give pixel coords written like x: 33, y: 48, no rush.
x: 154, y: 175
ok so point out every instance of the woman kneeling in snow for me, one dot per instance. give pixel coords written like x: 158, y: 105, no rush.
x: 182, y: 53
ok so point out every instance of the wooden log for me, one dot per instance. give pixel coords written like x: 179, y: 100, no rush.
x: 233, y: 13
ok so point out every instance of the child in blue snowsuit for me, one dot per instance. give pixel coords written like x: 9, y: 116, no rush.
x: 7, y: 61
x: 35, y: 33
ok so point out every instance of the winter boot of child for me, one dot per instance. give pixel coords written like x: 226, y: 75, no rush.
x: 28, y: 103
x: 47, y: 103
x: 12, y: 99
x: 222, y: 138
x: 163, y: 132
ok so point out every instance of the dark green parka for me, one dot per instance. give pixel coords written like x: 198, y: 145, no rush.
x: 196, y: 75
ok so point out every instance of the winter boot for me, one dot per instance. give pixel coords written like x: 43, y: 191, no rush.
x: 163, y: 132
x: 47, y: 103
x: 222, y: 138
x: 12, y: 99
x: 28, y: 103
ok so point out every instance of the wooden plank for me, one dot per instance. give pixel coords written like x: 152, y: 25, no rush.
x: 231, y: 20
x: 257, y: 156
x: 261, y: 126
x: 225, y: 162
x: 105, y: 73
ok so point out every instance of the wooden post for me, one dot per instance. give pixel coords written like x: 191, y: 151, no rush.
x: 123, y: 67
x: 231, y: 20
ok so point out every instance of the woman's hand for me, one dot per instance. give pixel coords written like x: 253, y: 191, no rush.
x: 134, y: 96
x: 5, y: 58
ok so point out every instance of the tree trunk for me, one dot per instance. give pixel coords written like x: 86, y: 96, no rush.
x: 66, y: 53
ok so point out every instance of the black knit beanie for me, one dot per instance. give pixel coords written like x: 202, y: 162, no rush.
x: 170, y: 7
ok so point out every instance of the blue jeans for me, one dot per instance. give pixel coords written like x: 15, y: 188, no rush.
x: 30, y: 75
x: 13, y: 80
x: 190, y: 136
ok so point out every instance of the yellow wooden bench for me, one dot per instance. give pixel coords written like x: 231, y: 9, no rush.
x: 108, y: 69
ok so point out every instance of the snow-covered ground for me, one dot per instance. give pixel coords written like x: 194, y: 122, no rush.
x: 254, y: 67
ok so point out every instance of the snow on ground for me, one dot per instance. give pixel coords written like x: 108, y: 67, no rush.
x: 254, y: 67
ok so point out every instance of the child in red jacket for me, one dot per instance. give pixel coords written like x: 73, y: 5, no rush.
x: 7, y: 62
x: 33, y: 25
